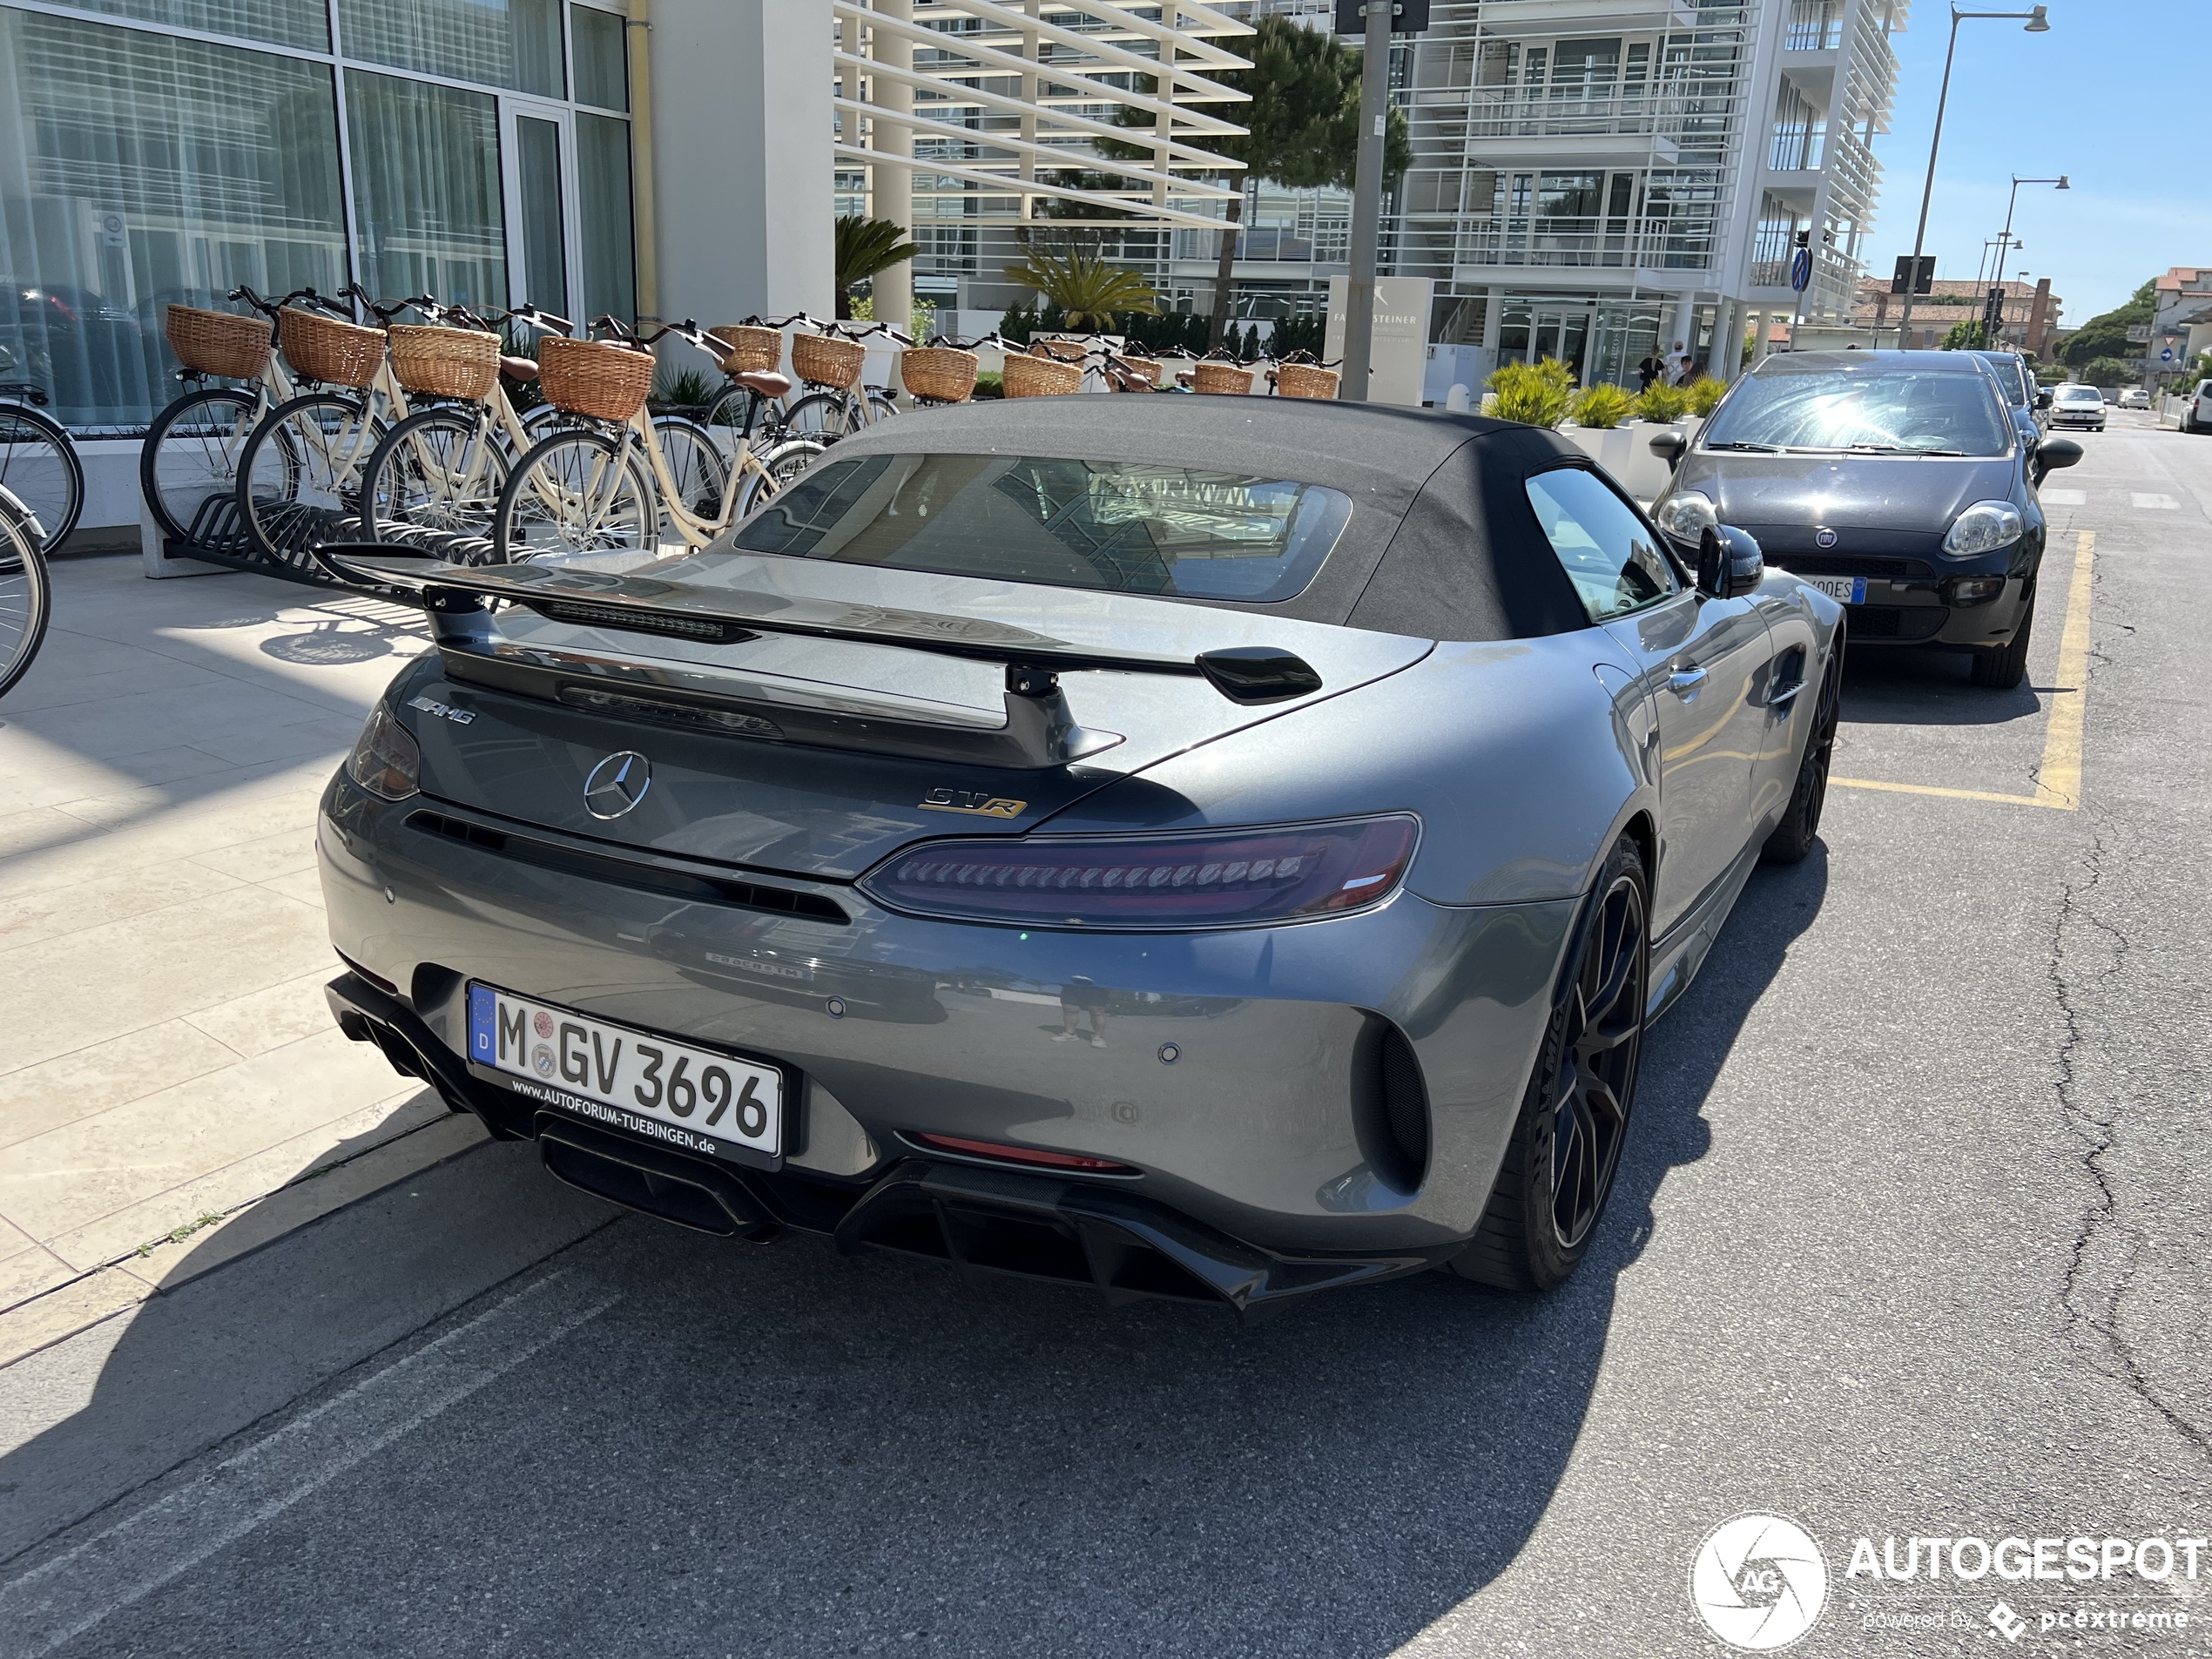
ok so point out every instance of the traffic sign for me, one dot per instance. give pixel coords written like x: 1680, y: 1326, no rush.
x: 1801, y: 269
x: 2166, y: 356
x: 1903, y: 277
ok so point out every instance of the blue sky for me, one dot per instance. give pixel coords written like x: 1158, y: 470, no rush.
x: 2102, y: 97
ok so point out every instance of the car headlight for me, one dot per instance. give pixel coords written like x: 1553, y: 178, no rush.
x: 1984, y: 527
x: 386, y: 760
x: 1686, y: 516
x: 1146, y: 883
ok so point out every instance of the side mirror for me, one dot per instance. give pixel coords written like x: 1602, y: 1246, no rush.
x: 2050, y: 455
x: 2043, y: 398
x: 1668, y: 442
x: 1730, y: 563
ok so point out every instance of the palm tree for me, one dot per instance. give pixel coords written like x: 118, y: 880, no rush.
x: 865, y: 245
x: 1085, y: 286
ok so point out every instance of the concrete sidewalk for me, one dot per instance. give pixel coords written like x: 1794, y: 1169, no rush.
x: 167, y: 1056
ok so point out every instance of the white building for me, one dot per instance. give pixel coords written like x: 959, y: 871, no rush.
x: 1592, y: 179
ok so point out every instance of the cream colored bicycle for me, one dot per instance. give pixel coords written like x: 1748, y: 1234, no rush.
x: 602, y: 492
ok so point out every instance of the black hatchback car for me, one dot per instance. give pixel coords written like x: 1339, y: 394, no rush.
x: 1897, y: 481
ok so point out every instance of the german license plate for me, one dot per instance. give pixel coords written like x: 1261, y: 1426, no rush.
x: 1851, y: 589
x: 692, y: 1098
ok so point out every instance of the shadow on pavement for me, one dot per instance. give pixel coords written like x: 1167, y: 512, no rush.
x: 783, y: 1451
x: 1906, y: 686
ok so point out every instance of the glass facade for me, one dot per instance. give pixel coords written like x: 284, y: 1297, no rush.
x: 140, y: 166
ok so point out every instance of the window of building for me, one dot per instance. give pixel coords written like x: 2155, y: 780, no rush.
x: 602, y: 61
x: 139, y: 169
x: 514, y: 43
x: 302, y: 24
x: 603, y: 195
x: 426, y: 208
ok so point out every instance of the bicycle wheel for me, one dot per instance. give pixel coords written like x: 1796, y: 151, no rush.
x: 820, y: 417
x: 881, y: 403
x: 191, y: 455
x: 580, y: 496
x: 695, y: 464
x: 780, y: 464
x: 23, y: 595
x: 39, y: 468
x: 440, y: 471
x: 739, y: 415
x: 299, y: 476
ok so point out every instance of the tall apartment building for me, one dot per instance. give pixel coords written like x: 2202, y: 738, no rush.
x: 975, y: 121
x: 1595, y: 178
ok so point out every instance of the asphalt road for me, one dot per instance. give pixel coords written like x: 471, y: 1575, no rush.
x: 1912, y: 1239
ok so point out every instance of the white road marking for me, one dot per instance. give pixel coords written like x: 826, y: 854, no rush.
x: 62, y: 1599
x: 2063, y: 497
x: 2156, y: 503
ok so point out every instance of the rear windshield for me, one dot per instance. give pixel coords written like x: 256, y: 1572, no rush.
x: 1878, y: 409
x: 1122, y: 526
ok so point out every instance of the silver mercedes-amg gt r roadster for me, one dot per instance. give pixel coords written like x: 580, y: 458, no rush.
x: 1210, y: 848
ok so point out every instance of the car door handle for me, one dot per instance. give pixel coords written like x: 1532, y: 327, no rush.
x: 1685, y: 680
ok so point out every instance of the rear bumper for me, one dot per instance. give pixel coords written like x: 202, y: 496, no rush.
x: 1240, y: 1075
x: 982, y: 1220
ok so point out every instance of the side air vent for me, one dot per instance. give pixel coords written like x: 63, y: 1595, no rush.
x: 630, y: 873
x: 1390, y: 1105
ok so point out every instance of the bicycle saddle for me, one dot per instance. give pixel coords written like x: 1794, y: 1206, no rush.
x: 766, y: 382
x: 517, y: 368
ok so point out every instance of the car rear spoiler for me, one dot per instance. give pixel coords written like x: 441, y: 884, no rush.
x: 1039, y: 730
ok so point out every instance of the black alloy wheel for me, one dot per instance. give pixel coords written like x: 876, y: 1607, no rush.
x: 1558, y: 1172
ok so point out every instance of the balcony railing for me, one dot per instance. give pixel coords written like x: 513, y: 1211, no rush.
x: 1677, y: 115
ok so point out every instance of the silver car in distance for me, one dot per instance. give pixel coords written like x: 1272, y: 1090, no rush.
x: 1195, y: 847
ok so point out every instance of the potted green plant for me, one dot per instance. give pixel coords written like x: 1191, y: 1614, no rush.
x: 1600, y: 414
x: 1533, y: 393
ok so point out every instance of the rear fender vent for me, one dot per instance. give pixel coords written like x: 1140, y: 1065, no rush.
x: 1390, y: 1105
x: 651, y: 877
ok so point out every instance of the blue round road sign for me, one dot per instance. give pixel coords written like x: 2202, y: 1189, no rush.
x: 2166, y: 356
x: 1801, y: 269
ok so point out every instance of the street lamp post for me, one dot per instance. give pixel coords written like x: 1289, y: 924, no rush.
x: 2006, y: 245
x: 2037, y: 25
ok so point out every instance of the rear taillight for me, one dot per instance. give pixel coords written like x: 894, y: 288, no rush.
x: 1146, y: 883
x: 386, y: 760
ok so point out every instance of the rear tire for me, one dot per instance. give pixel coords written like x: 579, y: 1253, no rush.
x: 1558, y: 1172
x: 39, y: 468
x: 441, y: 470
x: 820, y: 417
x: 192, y: 453
x: 581, y: 494
x: 25, y: 598
x: 1999, y: 668
x: 300, y: 475
x: 1793, y: 837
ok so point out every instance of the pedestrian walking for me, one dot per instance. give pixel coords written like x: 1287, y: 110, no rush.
x: 1650, y: 370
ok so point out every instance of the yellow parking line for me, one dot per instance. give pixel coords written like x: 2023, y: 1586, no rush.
x: 2059, y: 779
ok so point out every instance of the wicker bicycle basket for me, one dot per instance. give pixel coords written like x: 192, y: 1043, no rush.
x: 824, y: 359
x: 752, y: 351
x: 333, y: 353
x: 939, y: 372
x: 218, y: 342
x: 1145, y: 370
x: 591, y: 377
x: 1221, y: 377
x: 1304, y: 380
x: 445, y: 362
x: 1040, y: 377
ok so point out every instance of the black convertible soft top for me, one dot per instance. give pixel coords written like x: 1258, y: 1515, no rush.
x: 1442, y: 542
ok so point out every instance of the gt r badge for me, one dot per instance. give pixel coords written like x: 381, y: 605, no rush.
x: 975, y: 806
x: 1823, y: 538
x: 431, y: 705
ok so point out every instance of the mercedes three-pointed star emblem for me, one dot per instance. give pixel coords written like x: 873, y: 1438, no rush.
x: 617, y: 784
